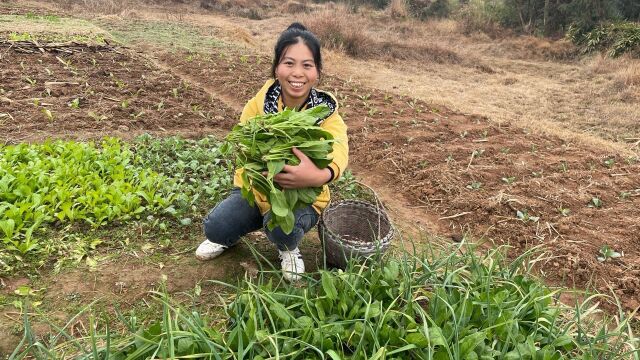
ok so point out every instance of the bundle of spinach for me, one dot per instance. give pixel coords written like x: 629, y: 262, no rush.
x: 263, y: 145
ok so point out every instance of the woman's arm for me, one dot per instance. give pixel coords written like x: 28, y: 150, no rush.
x: 307, y: 174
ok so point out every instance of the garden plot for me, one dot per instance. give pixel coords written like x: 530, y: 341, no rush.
x: 470, y: 176
x: 73, y: 91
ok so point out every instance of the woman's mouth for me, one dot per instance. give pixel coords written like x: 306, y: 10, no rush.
x: 296, y: 84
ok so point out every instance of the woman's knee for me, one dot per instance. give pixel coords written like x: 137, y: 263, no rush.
x: 230, y: 220
x: 305, y: 220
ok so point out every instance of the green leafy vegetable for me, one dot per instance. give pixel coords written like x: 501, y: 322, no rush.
x: 264, y: 145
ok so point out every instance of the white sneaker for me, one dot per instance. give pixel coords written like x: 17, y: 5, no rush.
x: 292, y: 264
x: 209, y: 250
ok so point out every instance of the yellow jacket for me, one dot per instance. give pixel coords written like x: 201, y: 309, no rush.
x: 268, y: 100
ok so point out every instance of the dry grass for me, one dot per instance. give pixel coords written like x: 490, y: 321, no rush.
x: 629, y: 75
x: 397, y: 9
x: 346, y: 32
x: 294, y: 7
x: 623, y: 72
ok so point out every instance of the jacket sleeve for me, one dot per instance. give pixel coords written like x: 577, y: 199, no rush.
x: 250, y: 110
x: 336, y: 126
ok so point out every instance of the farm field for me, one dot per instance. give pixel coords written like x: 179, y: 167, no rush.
x: 450, y: 175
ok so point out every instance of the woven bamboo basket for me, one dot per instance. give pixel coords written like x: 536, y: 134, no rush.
x: 354, y: 229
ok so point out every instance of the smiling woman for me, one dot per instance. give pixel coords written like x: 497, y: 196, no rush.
x: 296, y: 69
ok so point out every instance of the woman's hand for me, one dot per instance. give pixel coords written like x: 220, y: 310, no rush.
x: 305, y: 174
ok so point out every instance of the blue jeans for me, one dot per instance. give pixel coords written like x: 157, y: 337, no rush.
x: 233, y: 218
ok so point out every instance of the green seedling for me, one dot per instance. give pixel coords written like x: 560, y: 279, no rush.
x: 135, y: 116
x: 609, y: 163
x: 96, y: 117
x: 124, y: 104
x: 74, y: 104
x: 624, y: 195
x: 474, y: 185
x: 509, y: 179
x: 525, y: 217
x: 564, y: 211
x: 595, y: 202
x: 47, y: 113
x: 564, y: 167
x: 160, y: 105
x: 30, y: 81
x: 174, y: 92
x: 607, y: 253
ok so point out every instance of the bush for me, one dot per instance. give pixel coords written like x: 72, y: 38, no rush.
x: 424, y: 9
x: 616, y: 39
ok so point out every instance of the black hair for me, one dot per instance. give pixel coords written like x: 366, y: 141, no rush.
x: 295, y: 33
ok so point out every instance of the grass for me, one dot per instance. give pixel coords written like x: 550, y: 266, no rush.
x: 454, y: 302
x: 50, y: 28
x: 174, y: 35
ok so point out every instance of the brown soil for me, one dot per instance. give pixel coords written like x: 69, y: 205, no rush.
x: 120, y: 93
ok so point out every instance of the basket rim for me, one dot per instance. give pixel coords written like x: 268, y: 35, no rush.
x: 357, y: 245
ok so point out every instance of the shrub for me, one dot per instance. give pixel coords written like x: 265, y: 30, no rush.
x: 616, y: 38
x: 424, y: 9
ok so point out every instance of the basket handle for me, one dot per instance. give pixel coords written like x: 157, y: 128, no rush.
x: 379, y: 204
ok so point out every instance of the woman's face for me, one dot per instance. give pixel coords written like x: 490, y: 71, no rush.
x: 297, y: 74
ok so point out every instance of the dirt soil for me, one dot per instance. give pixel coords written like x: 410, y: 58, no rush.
x: 118, y: 93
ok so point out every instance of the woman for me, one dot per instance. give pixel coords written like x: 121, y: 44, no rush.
x: 296, y: 69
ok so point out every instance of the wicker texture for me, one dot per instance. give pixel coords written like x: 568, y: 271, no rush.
x: 354, y: 228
